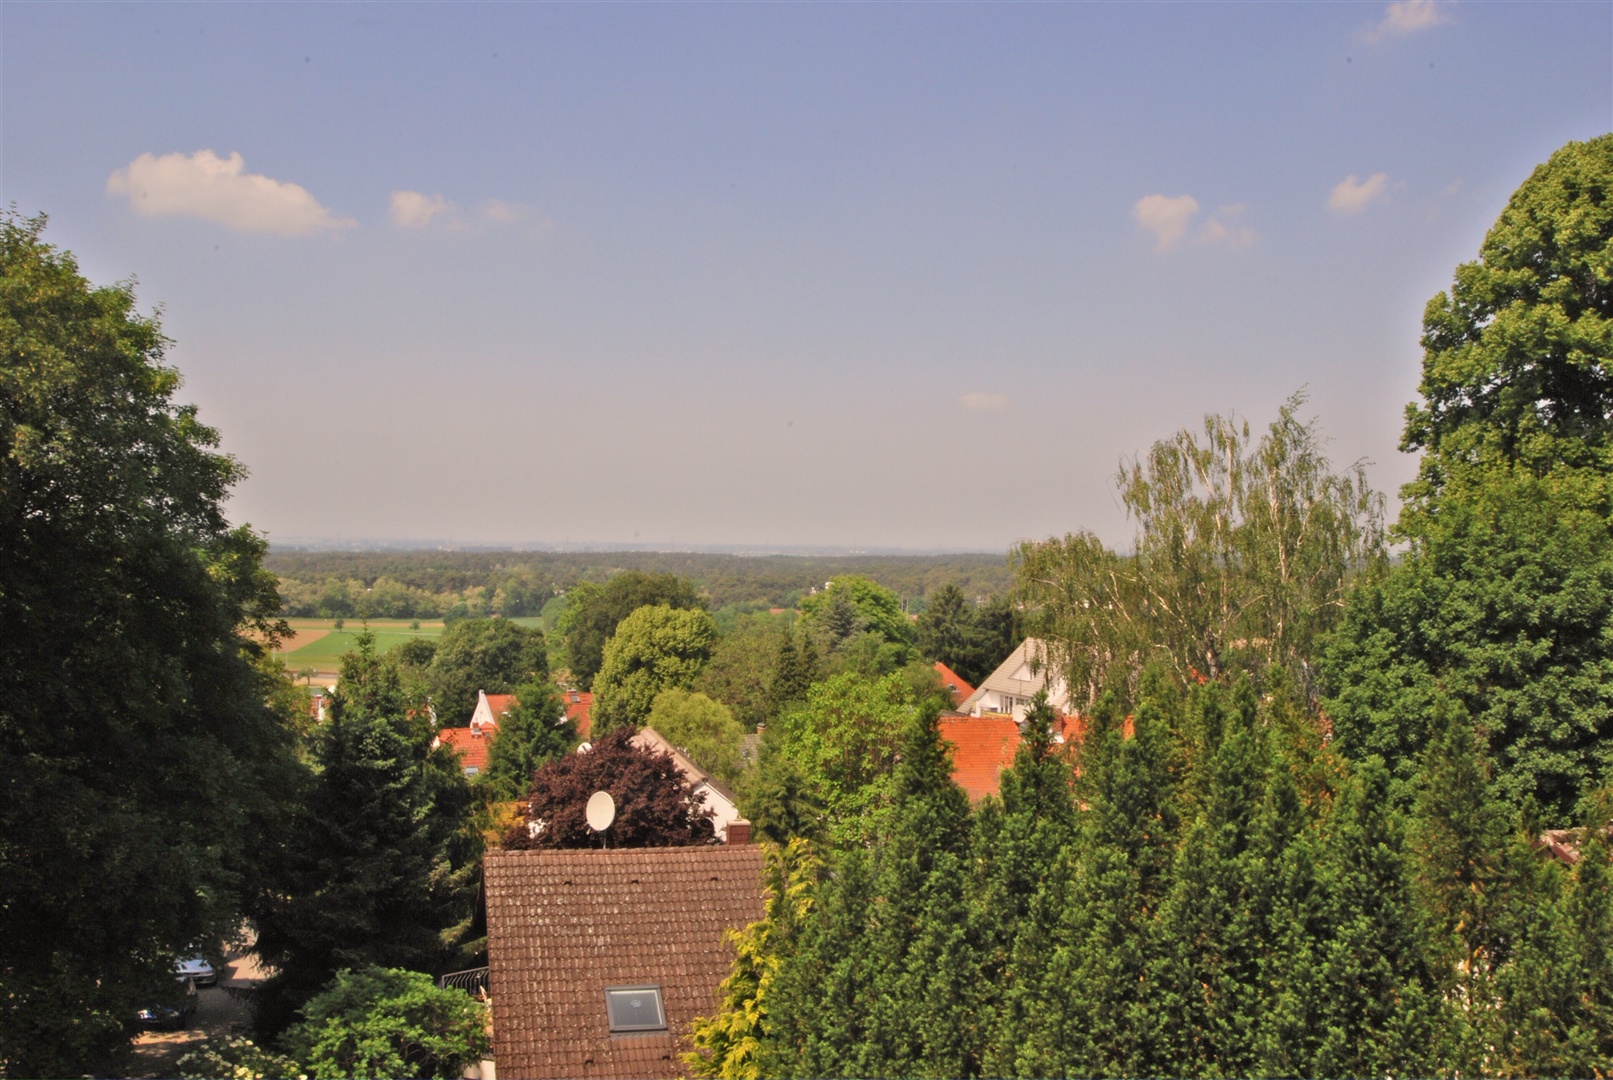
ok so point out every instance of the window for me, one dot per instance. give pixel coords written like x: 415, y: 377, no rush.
x: 634, y: 1008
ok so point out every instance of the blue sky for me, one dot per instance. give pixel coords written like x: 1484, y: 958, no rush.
x: 893, y: 275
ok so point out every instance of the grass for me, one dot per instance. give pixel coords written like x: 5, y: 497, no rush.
x: 338, y: 643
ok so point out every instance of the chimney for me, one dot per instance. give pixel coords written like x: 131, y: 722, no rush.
x: 739, y: 832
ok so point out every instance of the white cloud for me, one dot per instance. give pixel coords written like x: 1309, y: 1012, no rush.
x: 415, y: 209
x: 1223, y: 228
x: 1167, y: 218
x: 505, y: 212
x: 1351, y: 195
x: 219, y: 189
x: 1410, y: 16
x: 977, y: 401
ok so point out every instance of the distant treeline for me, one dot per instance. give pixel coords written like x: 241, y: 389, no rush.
x: 435, y: 584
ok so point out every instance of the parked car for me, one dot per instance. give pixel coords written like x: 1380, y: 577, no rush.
x: 201, y: 972
x: 173, y: 1014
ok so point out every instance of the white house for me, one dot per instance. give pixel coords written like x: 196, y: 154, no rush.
x: 713, y: 796
x: 1008, y: 690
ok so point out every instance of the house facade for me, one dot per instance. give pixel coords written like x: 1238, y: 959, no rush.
x: 1008, y: 690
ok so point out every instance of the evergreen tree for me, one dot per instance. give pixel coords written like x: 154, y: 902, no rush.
x: 381, y: 869
x: 532, y: 733
x: 945, y: 630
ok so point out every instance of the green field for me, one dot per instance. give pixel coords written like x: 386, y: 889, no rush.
x: 325, y: 653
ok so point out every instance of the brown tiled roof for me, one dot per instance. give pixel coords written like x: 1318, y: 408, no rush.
x: 564, y: 925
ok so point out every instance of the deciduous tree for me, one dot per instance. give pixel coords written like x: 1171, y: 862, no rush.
x: 654, y: 649
x: 492, y: 655
x: 140, y: 759
x: 594, y: 612
x: 656, y: 805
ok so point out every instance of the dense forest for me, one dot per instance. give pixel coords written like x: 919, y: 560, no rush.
x: 431, y: 584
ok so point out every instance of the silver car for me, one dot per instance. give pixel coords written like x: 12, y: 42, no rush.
x: 201, y: 972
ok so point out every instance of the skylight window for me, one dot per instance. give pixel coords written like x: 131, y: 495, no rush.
x: 634, y: 1008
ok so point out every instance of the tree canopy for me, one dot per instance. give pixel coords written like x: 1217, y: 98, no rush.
x: 1504, y: 598
x: 388, y: 1022
x: 492, y: 655
x: 593, y: 613
x: 654, y: 649
x: 851, y: 604
x: 655, y: 804
x: 381, y: 866
x: 703, y: 729
x: 1243, y: 557
x: 141, y: 760
x: 536, y: 730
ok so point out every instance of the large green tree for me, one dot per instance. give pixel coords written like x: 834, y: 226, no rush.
x: 851, y: 604
x: 493, y: 655
x: 1244, y: 553
x: 381, y: 868
x: 654, y: 649
x: 140, y: 763
x: 703, y: 729
x: 594, y: 611
x: 1504, y: 597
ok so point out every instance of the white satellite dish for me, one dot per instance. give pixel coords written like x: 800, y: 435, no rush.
x: 601, y: 811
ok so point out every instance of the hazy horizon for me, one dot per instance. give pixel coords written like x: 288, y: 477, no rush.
x: 880, y: 277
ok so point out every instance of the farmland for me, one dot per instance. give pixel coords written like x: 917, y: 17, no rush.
x: 317, y: 645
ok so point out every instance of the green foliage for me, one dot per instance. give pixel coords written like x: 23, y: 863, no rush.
x: 595, y: 612
x: 1241, y: 560
x: 844, y: 740
x: 381, y: 866
x: 374, y: 1022
x: 141, y: 757
x: 705, y: 730
x: 492, y: 655
x: 654, y: 649
x: 533, y: 732
x: 1504, y: 599
x: 475, y: 578
x: 742, y: 668
x: 233, y: 1058
x: 970, y: 640
x: 1516, y: 357
x: 728, y: 1044
x: 851, y: 605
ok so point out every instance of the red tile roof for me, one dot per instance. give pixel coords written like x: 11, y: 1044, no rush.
x: 564, y: 925
x: 579, y: 706
x: 471, y: 746
x: 982, y: 747
x: 500, y: 703
x: 961, y: 691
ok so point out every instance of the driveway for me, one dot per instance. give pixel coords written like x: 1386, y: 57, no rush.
x: 218, y: 1013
